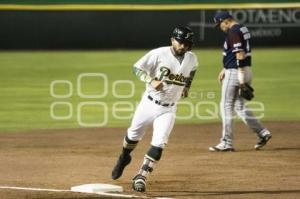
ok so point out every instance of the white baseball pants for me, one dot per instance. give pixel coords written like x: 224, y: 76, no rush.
x: 147, y: 112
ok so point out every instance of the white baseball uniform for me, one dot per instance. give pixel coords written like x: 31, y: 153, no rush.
x: 159, y: 107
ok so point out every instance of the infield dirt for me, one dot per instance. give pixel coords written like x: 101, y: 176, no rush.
x: 59, y: 159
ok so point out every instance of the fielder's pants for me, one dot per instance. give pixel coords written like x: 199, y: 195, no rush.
x: 231, y: 102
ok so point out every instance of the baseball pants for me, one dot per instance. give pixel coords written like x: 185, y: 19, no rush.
x: 231, y: 102
x: 147, y: 112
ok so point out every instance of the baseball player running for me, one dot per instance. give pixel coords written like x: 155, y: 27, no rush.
x: 168, y: 73
x: 236, y: 78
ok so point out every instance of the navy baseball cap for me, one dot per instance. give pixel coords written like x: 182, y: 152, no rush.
x: 221, y: 16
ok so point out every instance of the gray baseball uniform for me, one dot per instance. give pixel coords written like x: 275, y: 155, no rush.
x: 237, y: 39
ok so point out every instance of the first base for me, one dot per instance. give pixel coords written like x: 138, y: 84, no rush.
x: 97, y: 188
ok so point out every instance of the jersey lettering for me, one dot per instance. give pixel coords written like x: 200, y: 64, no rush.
x: 160, y: 64
x: 177, y: 79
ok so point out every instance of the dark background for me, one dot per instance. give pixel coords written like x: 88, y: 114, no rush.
x: 117, y: 29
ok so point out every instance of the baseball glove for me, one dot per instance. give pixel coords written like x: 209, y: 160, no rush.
x: 246, y: 91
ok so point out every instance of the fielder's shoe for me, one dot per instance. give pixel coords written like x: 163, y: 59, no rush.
x: 139, y: 183
x: 262, y: 141
x: 222, y: 147
x: 123, y: 161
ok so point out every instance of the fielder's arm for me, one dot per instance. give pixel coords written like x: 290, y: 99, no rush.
x: 221, y: 75
x: 240, y: 57
x: 236, y: 41
x: 143, y: 76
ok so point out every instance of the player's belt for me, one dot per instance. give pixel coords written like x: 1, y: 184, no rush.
x: 159, y: 102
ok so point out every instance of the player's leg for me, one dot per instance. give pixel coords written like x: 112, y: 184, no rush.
x: 150, y: 160
x: 229, y: 91
x: 124, y: 158
x: 162, y: 127
x: 253, y: 123
x: 143, y: 116
x: 249, y: 118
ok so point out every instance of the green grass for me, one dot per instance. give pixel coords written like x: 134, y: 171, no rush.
x: 25, y: 79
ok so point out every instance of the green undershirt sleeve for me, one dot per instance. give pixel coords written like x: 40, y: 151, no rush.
x: 142, y: 75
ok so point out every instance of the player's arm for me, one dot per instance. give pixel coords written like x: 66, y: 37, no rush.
x: 221, y: 75
x: 237, y: 43
x: 188, y: 84
x: 245, y: 90
x: 240, y: 57
x: 143, y: 67
x: 190, y: 79
x: 144, y: 77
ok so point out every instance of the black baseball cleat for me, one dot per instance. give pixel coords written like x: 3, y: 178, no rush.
x: 123, y: 161
x: 139, y: 183
x: 262, y: 141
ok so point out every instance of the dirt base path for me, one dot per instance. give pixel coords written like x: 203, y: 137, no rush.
x: 59, y: 159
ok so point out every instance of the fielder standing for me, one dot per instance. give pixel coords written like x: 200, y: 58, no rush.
x: 168, y: 73
x: 236, y: 79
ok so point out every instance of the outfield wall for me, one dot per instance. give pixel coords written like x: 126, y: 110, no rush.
x: 35, y: 2
x: 93, y: 28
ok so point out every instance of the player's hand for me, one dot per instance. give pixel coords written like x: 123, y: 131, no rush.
x: 221, y: 76
x: 185, y: 92
x: 157, y: 85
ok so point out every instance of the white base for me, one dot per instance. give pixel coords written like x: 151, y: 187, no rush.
x: 97, y: 188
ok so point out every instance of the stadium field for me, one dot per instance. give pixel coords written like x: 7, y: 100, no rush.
x: 49, y: 97
x: 99, y: 89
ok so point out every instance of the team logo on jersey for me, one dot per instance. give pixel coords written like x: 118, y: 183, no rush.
x: 177, y: 79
